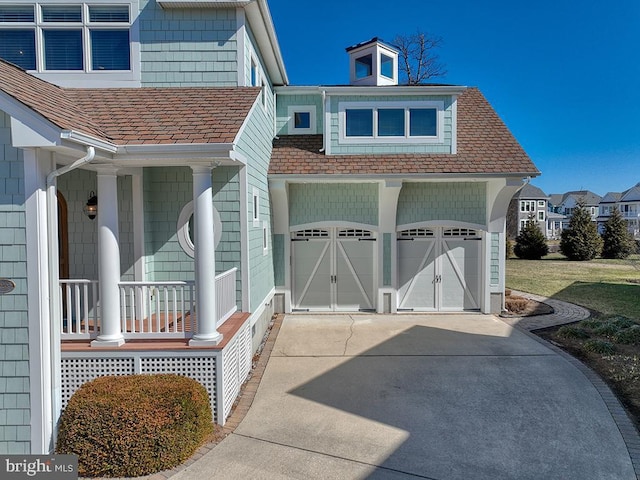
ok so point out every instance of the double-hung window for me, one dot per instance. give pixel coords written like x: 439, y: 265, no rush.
x: 391, y: 122
x: 81, y: 37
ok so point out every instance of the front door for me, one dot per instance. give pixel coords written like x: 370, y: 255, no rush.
x: 333, y: 269
x: 439, y: 269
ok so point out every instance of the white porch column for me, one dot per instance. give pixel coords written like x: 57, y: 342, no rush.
x: 388, y: 194
x: 205, y: 260
x: 108, y: 260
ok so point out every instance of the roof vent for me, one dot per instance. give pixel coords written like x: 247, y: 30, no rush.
x: 373, y: 62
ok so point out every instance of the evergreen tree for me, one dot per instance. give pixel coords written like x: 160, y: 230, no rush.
x: 580, y: 241
x: 618, y: 242
x: 530, y: 242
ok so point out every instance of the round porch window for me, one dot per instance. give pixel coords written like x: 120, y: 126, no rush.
x: 186, y: 229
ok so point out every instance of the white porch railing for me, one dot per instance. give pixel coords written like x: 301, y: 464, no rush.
x: 148, y: 310
x: 80, y: 308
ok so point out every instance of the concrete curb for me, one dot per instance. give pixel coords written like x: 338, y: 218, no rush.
x: 563, y: 313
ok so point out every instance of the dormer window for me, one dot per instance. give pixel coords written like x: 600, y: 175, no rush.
x: 391, y: 122
x: 302, y: 119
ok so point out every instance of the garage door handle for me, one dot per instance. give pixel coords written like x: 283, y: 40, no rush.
x: 473, y: 239
x: 299, y: 239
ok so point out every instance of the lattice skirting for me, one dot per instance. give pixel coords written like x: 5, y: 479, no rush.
x: 81, y: 368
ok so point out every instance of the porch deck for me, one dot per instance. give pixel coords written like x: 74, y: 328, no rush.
x: 228, y: 330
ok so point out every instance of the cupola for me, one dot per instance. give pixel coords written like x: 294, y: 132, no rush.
x: 373, y: 63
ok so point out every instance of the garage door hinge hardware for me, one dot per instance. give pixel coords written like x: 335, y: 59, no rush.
x: 438, y: 279
x: 406, y: 239
x: 367, y: 239
x: 299, y: 239
x: 475, y: 239
x: 334, y: 279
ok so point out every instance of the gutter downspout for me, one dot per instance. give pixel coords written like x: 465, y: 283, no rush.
x: 324, y: 121
x: 54, y: 290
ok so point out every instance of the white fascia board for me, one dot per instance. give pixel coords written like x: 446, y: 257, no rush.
x: 396, y: 90
x: 372, y: 178
x: 88, y: 140
x: 298, y: 90
x: 264, y: 31
x: 203, y: 3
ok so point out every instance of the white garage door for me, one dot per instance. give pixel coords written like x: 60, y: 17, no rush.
x: 439, y: 269
x: 333, y: 270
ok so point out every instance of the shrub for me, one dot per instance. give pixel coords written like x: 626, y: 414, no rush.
x: 570, y: 331
x: 127, y: 426
x: 628, y: 336
x: 592, y: 322
x: 618, y: 242
x: 580, y: 241
x: 508, y: 251
x: 530, y: 242
x: 599, y: 346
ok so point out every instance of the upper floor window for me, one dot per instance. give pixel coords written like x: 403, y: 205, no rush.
x: 54, y: 37
x: 527, y: 206
x: 541, y: 203
x: 302, y: 119
x: 391, y: 122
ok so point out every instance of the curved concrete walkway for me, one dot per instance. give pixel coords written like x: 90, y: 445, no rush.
x: 563, y: 313
x: 420, y: 396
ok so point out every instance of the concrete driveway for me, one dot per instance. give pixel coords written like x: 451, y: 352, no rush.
x: 440, y: 397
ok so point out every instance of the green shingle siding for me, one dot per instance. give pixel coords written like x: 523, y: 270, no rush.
x: 454, y: 201
x: 187, y: 47
x: 286, y: 101
x: 15, y: 433
x: 255, y: 145
x: 346, y: 202
x: 495, y: 259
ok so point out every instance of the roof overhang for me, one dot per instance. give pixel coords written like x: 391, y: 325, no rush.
x: 373, y: 90
x: 203, y: 3
x: 408, y: 177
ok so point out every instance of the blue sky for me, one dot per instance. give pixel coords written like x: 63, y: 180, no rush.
x: 564, y: 75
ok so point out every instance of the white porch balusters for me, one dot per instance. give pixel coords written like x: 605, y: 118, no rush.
x: 108, y: 260
x: 205, y: 263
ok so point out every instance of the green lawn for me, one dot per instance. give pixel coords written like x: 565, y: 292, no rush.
x: 606, y: 286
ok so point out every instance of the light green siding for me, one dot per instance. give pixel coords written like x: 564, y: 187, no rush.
x: 337, y: 202
x: 76, y: 187
x: 495, y: 259
x: 166, y: 191
x: 15, y: 432
x: 453, y: 201
x: 286, y: 101
x: 377, y: 147
x: 187, y: 47
x: 255, y: 145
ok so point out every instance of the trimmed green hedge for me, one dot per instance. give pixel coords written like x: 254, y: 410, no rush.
x: 128, y: 426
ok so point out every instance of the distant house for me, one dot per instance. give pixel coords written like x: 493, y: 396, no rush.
x: 627, y: 203
x: 530, y: 203
x: 567, y: 202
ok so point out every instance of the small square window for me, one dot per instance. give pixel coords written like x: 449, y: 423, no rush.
x: 364, y: 66
x: 541, y: 203
x: 423, y: 122
x: 386, y: 66
x: 391, y: 122
x: 302, y: 120
x: 359, y: 122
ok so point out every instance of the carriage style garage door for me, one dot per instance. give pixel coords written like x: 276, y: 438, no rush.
x: 439, y: 269
x: 333, y: 269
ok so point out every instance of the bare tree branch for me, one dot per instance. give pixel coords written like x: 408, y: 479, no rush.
x: 418, y: 60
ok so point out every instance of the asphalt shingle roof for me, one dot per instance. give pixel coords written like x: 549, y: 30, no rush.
x: 135, y: 116
x: 485, y: 145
